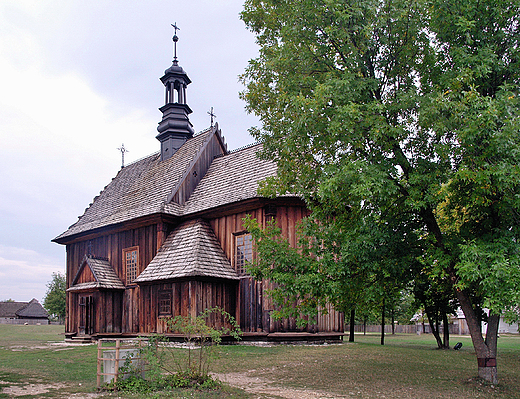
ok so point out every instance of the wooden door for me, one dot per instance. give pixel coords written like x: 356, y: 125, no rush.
x: 252, y: 315
x: 86, y: 315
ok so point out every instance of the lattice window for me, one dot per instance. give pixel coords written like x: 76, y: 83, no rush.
x: 243, y: 252
x: 165, y: 303
x: 131, y: 260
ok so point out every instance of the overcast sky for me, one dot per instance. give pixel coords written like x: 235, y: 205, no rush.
x: 78, y: 79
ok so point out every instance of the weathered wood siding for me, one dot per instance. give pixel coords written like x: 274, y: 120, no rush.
x: 111, y: 246
x: 253, y: 304
x: 106, y: 311
x: 86, y: 276
x: 189, y: 298
x: 136, y: 309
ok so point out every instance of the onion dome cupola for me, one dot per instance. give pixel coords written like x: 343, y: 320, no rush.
x: 175, y: 127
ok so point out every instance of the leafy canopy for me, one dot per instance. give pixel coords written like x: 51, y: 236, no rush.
x: 398, y: 123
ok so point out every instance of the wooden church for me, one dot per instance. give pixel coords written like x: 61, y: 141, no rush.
x: 165, y: 237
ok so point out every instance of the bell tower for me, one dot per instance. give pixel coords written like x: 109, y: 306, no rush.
x: 175, y: 127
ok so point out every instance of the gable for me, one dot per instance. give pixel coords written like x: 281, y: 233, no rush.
x: 85, y: 275
x: 212, y: 147
x: 191, y: 250
x: 96, y: 273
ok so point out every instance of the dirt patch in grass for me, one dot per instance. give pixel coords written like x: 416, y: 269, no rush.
x: 57, y: 390
x: 31, y: 389
x: 258, y: 385
x: 56, y: 346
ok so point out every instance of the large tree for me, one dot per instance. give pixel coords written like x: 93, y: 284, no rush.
x: 399, y: 119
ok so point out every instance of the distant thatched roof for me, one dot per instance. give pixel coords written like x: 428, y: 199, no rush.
x: 23, y: 310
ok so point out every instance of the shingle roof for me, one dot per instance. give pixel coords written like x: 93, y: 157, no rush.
x: 32, y: 309
x: 191, y: 250
x: 139, y: 189
x: 104, y: 275
x: 230, y: 178
x: 143, y: 187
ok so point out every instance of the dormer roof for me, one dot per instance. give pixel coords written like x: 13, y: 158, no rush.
x: 191, y: 250
x: 96, y: 273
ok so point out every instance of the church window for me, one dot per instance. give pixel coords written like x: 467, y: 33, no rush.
x: 131, y: 262
x: 165, y: 303
x: 243, y: 252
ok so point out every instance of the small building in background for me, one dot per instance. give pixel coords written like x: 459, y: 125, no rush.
x: 23, y: 313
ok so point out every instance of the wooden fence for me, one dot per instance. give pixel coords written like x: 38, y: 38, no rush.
x: 403, y: 329
x: 374, y: 328
x: 112, y: 355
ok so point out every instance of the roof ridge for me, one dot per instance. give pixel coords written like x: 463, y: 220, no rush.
x: 245, y: 147
x: 141, y: 159
x: 158, y: 152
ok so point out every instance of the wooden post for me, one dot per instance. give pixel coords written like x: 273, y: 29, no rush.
x: 99, y: 356
x: 116, y: 369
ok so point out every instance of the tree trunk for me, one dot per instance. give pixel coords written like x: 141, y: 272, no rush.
x: 352, y: 324
x: 435, y: 331
x: 393, y: 322
x: 446, y: 330
x: 383, y: 324
x: 365, y: 325
x: 486, y: 350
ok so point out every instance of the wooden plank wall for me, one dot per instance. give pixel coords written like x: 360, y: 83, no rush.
x: 86, y: 276
x: 107, y: 310
x: 111, y: 247
x: 189, y: 298
x: 254, y: 304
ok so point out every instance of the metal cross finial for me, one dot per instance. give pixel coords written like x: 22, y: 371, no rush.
x: 123, y: 150
x: 212, y: 115
x: 175, y: 40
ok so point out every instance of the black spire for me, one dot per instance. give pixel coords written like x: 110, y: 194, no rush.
x: 175, y: 127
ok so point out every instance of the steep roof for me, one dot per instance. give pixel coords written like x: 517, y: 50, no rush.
x: 9, y: 309
x: 191, y: 250
x: 32, y: 309
x: 146, y: 187
x: 230, y: 178
x: 103, y: 272
x: 139, y: 189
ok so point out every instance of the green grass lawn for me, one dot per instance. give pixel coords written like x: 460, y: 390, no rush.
x: 408, y: 366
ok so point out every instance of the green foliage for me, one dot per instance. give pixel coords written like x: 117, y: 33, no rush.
x: 171, y: 367
x: 397, y: 122
x: 202, y: 334
x: 54, y: 301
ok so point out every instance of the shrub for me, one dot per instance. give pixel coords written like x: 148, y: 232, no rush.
x: 168, y: 367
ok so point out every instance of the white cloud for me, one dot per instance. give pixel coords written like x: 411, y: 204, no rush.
x: 24, y: 273
x: 77, y: 79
